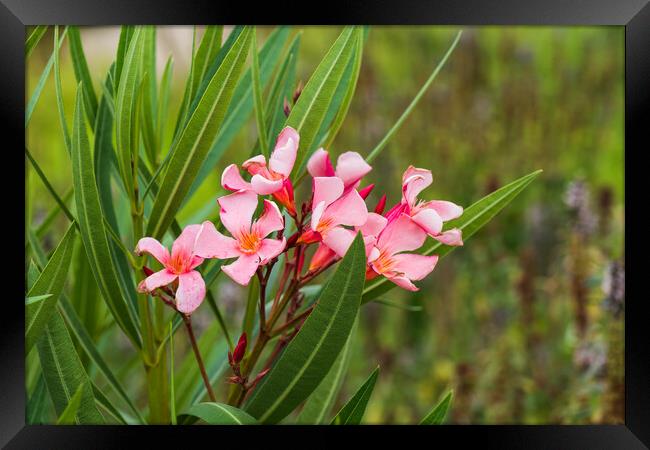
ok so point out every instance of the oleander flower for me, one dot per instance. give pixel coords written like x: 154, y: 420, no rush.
x: 249, y: 242
x: 272, y: 179
x: 387, y: 258
x: 179, y: 265
x: 331, y: 210
x: 429, y: 215
x: 350, y: 167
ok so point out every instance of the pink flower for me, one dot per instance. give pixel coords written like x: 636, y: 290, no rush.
x: 272, y: 179
x: 386, y: 257
x: 249, y: 243
x: 429, y: 215
x: 340, y: 239
x: 350, y: 167
x: 332, y: 208
x: 180, y: 264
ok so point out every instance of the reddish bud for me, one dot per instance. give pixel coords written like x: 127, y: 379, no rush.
x: 309, y: 237
x: 381, y: 204
x: 240, y: 349
x: 292, y: 239
x: 286, y: 108
x: 147, y: 271
x: 259, y: 377
x: 297, y: 92
x: 365, y: 192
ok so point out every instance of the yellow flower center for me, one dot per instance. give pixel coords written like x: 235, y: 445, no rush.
x: 249, y: 242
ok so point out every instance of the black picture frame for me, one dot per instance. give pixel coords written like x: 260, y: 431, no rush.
x: 633, y: 14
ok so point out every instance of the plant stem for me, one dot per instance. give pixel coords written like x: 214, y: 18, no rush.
x: 188, y: 324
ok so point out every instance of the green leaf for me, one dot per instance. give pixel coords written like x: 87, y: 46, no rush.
x: 311, y: 354
x: 64, y: 374
x: 34, y: 38
x: 31, y: 104
x: 352, y: 412
x: 242, y: 104
x: 321, y: 401
x: 197, y: 138
x: 257, y: 96
x: 126, y: 136
x: 205, y: 54
x: 82, y: 74
x: 373, y: 154
x: 88, y: 346
x: 50, y: 281
x: 37, y: 403
x: 91, y: 224
x: 36, y: 299
x: 59, y: 90
x: 220, y: 414
x: 126, y: 33
x: 67, y: 417
x: 309, y: 112
x: 107, y: 406
x: 163, y: 101
x: 437, y: 415
x: 472, y: 220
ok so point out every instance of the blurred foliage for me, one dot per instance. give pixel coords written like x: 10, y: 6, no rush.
x: 514, y: 322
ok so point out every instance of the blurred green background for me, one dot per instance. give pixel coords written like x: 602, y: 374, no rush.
x: 525, y: 321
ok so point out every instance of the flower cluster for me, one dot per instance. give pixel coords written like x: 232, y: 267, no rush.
x: 335, y: 213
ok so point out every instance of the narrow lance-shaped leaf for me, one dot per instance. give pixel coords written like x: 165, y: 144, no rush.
x: 82, y: 74
x: 259, y: 105
x: 352, y: 412
x: 126, y: 137
x: 380, y: 146
x: 64, y: 373
x: 197, y: 138
x: 321, y: 401
x: 68, y: 415
x: 126, y: 33
x: 309, y: 112
x: 91, y: 223
x: 220, y: 414
x: 242, y: 104
x: 312, y: 352
x: 473, y: 219
x: 437, y: 415
x: 50, y: 282
x: 34, y: 38
x: 58, y: 90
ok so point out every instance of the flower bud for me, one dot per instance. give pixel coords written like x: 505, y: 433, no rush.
x: 240, y: 349
x: 286, y: 108
x: 297, y: 92
x: 365, y: 192
x: 381, y: 204
x: 147, y: 271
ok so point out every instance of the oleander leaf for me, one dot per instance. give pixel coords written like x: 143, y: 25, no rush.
x: 34, y: 38
x: 312, y: 352
x: 220, y: 414
x: 196, y: 138
x: 92, y: 228
x: 258, y: 102
x: 321, y: 401
x: 309, y: 112
x: 82, y: 74
x: 352, y: 412
x: 472, y: 220
x: 67, y: 417
x: 50, y: 282
x: 437, y: 415
x: 64, y: 373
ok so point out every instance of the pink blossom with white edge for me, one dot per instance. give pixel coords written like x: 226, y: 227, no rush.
x: 179, y: 265
x: 429, y: 215
x: 249, y: 242
x: 350, y: 167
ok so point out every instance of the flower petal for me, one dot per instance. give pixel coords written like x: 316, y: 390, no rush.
x: 212, y: 244
x: 339, y: 239
x: 351, y: 167
x: 264, y: 186
x: 326, y: 189
x: 374, y: 225
x: 450, y: 237
x: 154, y: 248
x: 414, y: 181
x: 316, y: 214
x: 183, y: 246
x: 156, y: 280
x: 255, y: 165
x: 243, y: 269
x: 322, y: 256
x: 446, y: 210
x: 350, y: 209
x: 404, y: 282
x: 271, y: 220
x: 237, y: 211
x: 284, y: 154
x: 320, y: 165
x: 402, y: 234
x: 232, y: 180
x: 271, y: 248
x: 429, y: 221
x: 190, y: 292
x: 414, y: 266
